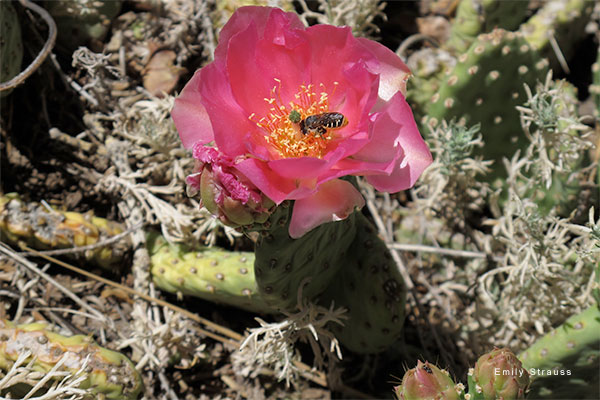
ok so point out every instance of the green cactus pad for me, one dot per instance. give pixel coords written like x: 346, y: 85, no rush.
x: 429, y: 68
x: 11, y: 44
x: 283, y: 264
x: 79, y: 21
x: 212, y: 274
x: 109, y: 373
x: 372, y: 289
x: 565, y: 363
x: 562, y: 21
x: 474, y: 17
x: 43, y: 228
x: 485, y: 87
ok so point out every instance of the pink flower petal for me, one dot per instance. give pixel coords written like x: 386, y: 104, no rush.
x: 254, y: 64
x: 412, y: 154
x: 334, y: 201
x: 244, y: 16
x: 274, y: 186
x: 229, y: 121
x: 190, y: 116
x: 392, y: 71
x: 338, y: 59
x: 299, y: 168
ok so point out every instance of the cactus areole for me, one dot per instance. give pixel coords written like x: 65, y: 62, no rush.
x: 288, y: 110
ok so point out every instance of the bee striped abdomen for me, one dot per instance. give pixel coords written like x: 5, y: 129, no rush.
x: 321, y: 122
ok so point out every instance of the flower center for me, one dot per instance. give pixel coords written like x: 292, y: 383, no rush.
x: 286, y: 132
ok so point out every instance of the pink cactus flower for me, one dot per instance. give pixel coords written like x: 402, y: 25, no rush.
x: 269, y: 75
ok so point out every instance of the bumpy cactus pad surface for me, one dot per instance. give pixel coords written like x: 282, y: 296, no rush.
x: 43, y: 228
x: 567, y: 360
x: 485, y: 86
x: 283, y: 264
x: 213, y: 274
x: 110, y: 374
x: 372, y: 289
x: 474, y: 17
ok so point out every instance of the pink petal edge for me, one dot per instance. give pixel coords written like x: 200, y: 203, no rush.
x: 392, y: 70
x: 334, y: 201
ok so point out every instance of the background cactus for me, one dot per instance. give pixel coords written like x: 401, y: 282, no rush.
x: 480, y: 89
x: 566, y: 361
x: 80, y: 21
x: 11, y: 44
x: 474, y: 17
x: 44, y: 228
x: 465, y: 80
x: 109, y: 374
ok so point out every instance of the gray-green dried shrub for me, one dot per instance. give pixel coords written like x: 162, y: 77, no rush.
x: 537, y: 249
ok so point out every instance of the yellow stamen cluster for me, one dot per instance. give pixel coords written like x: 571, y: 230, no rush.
x: 282, y: 136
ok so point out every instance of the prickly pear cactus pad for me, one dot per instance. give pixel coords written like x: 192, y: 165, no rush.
x: 43, y: 228
x: 11, y: 45
x: 212, y: 274
x: 283, y: 264
x: 485, y: 86
x: 371, y: 288
x: 558, y: 24
x: 565, y: 363
x: 108, y: 373
x: 79, y: 21
x: 474, y: 17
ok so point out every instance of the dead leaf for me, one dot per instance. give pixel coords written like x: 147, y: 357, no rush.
x: 160, y: 74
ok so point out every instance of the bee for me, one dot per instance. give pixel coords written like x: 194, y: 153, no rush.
x: 319, y: 123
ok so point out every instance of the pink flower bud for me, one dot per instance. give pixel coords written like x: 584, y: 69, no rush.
x: 500, y: 375
x: 427, y: 381
x: 225, y: 191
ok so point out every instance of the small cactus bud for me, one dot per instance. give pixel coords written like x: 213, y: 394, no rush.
x: 500, y: 375
x: 426, y: 381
